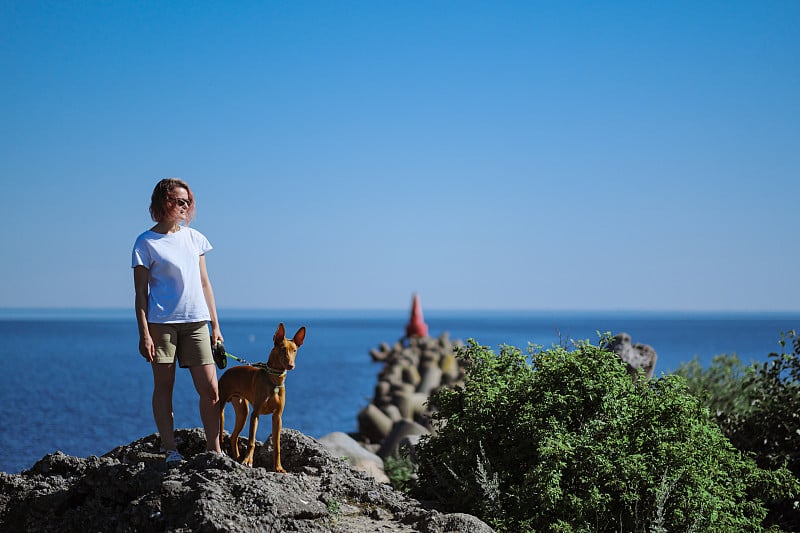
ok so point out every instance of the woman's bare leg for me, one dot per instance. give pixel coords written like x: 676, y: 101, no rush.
x: 163, y: 383
x: 205, y: 382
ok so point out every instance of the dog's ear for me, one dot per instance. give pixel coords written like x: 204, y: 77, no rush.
x: 280, y: 334
x: 300, y: 336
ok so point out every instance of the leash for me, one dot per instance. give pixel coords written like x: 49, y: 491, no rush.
x: 221, y: 355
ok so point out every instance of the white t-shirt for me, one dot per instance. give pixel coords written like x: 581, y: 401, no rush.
x: 173, y: 259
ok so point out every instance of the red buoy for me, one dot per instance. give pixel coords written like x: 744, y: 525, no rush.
x: 416, y: 326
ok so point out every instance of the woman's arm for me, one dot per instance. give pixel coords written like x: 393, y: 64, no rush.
x: 140, y: 284
x: 208, y: 292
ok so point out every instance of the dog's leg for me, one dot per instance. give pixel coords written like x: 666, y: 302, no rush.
x: 251, y: 448
x: 221, y: 421
x: 240, y: 407
x: 277, y: 422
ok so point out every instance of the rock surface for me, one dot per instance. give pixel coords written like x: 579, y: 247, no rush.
x: 131, y: 489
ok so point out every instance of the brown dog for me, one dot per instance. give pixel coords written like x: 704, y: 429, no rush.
x: 262, y: 386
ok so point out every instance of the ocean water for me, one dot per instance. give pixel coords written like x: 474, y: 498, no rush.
x: 73, y: 380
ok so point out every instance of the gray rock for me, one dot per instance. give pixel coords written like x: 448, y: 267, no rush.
x: 342, y: 445
x: 131, y: 489
x: 459, y: 523
x: 635, y: 355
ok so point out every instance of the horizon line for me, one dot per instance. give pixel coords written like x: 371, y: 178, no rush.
x: 244, y: 309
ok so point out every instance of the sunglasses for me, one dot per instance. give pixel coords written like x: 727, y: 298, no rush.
x: 182, y: 202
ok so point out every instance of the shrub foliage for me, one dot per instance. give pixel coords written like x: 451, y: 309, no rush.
x: 566, y: 441
x: 758, y: 409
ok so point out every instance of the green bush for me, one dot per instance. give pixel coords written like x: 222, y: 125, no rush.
x: 771, y: 424
x: 567, y: 442
x: 720, y: 386
x: 400, y: 470
x: 758, y: 409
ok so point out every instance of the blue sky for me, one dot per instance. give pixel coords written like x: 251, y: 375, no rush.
x: 488, y: 155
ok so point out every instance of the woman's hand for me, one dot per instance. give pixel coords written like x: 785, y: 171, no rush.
x: 147, y: 348
x: 216, y: 336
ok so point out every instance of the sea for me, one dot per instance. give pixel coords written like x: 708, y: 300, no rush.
x: 73, y: 380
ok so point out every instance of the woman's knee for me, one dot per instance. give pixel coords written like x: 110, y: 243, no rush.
x: 212, y: 394
x: 209, y: 391
x: 205, y: 382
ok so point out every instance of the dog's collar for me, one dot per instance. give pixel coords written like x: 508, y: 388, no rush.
x: 268, y: 370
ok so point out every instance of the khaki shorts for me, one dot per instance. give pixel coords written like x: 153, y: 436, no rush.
x: 191, y: 342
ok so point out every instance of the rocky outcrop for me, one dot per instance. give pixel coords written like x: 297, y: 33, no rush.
x: 635, y: 355
x: 131, y: 489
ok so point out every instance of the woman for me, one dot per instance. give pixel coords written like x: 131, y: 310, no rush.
x: 174, y: 303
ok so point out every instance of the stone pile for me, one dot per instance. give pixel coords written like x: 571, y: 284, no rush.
x: 413, y: 369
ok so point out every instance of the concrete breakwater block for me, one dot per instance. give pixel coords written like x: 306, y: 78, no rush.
x: 402, y: 430
x: 431, y: 379
x: 411, y: 404
x: 413, y: 369
x: 373, y: 424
